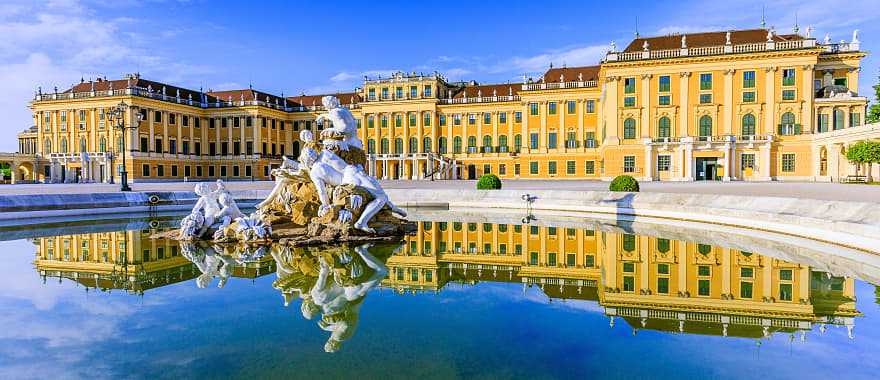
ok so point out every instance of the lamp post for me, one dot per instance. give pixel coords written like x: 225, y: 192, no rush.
x: 117, y: 117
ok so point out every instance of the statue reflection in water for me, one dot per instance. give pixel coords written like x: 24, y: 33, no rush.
x: 210, y: 261
x: 330, y: 282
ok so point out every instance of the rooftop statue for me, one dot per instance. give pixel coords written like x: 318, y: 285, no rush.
x: 323, y: 196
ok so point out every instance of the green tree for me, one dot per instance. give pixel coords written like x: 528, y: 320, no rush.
x: 857, y: 154
x: 874, y: 110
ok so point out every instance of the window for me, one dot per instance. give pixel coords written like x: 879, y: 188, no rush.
x: 823, y: 123
x: 788, y: 94
x: 427, y: 91
x: 442, y: 120
x: 747, y: 272
x: 629, y: 268
x: 456, y: 119
x: 788, y: 77
x: 398, y: 93
x: 748, y: 161
x: 516, y: 169
x: 589, y: 261
x: 551, y: 140
x: 426, y: 119
x: 663, y: 285
x: 629, y: 164
x: 145, y: 170
x: 838, y: 119
x: 384, y: 121
x: 629, y: 128
x: 533, y: 140
x: 840, y: 82
x: 517, y: 117
x: 748, y: 79
x: 705, y: 81
x: 748, y: 97
x: 785, y: 274
x: 629, y: 85
x: 551, y: 167
x: 663, y: 84
x: 748, y: 125
x: 745, y: 289
x: 787, y: 125
x: 398, y: 120
x: 533, y: 109
x: 663, y: 163
x: 703, y: 287
x: 384, y: 146
x: 590, y: 167
x: 572, y: 107
x: 704, y: 249
x: 629, y: 284
x: 502, y: 117
x: 785, y: 292
x: 591, y: 106
x: 705, y: 126
x: 855, y: 119
x: 629, y: 101
x: 663, y: 247
x: 398, y: 145
x: 533, y: 258
x: 487, y: 118
x: 570, y: 167
x: 502, y: 169
x: 629, y: 243
x: 412, y: 119
x: 517, y: 142
x: 664, y: 128
x: 487, y: 168
x: 704, y: 270
x: 413, y: 91
x: 551, y: 259
x: 371, y: 123
x: 705, y: 98
x: 157, y: 116
x: 664, y: 100
x: 413, y: 144
x: 533, y: 167
x: 456, y: 144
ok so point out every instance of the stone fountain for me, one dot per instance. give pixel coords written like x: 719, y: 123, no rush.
x: 324, y: 196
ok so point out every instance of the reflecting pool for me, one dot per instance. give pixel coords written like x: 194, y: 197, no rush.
x: 466, y: 296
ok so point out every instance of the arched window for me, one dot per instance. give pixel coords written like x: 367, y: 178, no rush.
x: 82, y: 145
x: 63, y: 144
x: 629, y: 128
x: 413, y: 144
x: 398, y: 145
x: 383, y: 146
x: 704, y: 249
x: 787, y: 125
x: 456, y: 144
x: 502, y: 143
x: 47, y: 146
x: 517, y: 142
x: 102, y: 144
x: 426, y: 144
x: 748, y: 125
x: 705, y: 126
x: 487, y: 143
x: 664, y: 127
x: 472, y: 142
x: 662, y: 245
x: 441, y: 141
x: 629, y: 242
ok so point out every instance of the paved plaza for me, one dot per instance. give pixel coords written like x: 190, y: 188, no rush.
x: 823, y: 191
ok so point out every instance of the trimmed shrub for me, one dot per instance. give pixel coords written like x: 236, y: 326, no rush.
x: 489, y: 182
x: 624, y: 183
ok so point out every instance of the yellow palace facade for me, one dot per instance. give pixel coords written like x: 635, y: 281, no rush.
x: 748, y: 105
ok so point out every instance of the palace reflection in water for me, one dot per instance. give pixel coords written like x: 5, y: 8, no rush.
x: 646, y: 282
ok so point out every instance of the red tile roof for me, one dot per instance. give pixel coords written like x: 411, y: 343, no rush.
x: 571, y: 74
x: 315, y: 100
x: 707, y: 39
x: 118, y: 84
x: 503, y: 89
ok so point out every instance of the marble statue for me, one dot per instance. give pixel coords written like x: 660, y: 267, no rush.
x: 210, y: 263
x: 203, y: 214
x: 343, y: 130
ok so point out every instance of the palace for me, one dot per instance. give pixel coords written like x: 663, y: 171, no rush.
x: 748, y: 105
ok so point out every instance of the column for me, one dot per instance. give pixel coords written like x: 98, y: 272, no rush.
x: 646, y: 106
x: 770, y: 95
x: 764, y: 168
x: 684, y: 114
x: 807, y: 117
x: 542, y: 140
x: 580, y: 128
x: 688, y: 161
x: 725, y: 159
x: 480, y: 132
x: 610, y: 119
x: 415, y: 167
x: 649, y: 161
x: 165, y: 116
x: 816, y: 167
x: 561, y: 130
x: 152, y: 143
x: 682, y: 265
x: 726, y: 126
x: 525, y: 124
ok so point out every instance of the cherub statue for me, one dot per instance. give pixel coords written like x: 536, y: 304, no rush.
x: 229, y: 210
x: 203, y: 214
x: 343, y: 131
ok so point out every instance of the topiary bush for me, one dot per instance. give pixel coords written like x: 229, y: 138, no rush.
x: 624, y: 183
x: 489, y: 182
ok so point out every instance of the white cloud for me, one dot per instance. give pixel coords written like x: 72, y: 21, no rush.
x: 537, y: 64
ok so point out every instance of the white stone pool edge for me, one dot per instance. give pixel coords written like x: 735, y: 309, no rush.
x: 851, y: 224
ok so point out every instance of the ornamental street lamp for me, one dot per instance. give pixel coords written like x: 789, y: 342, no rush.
x: 117, y: 120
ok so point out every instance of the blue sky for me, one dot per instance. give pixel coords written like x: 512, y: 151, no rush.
x: 314, y: 47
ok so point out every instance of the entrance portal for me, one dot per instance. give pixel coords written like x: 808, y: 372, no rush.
x: 707, y: 168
